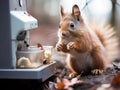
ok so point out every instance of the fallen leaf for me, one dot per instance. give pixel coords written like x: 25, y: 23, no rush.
x: 66, y: 83
x: 116, y: 81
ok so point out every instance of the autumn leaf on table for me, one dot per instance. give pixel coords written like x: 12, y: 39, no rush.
x: 63, y: 84
x: 66, y: 83
x: 116, y: 81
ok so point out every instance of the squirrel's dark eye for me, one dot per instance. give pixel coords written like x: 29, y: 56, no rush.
x: 72, y: 25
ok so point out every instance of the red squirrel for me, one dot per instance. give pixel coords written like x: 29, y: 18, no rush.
x: 88, y: 48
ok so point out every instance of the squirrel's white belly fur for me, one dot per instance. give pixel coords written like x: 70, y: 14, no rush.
x: 82, y: 60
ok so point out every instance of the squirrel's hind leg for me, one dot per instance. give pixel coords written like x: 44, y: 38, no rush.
x: 72, y: 75
x: 99, y: 59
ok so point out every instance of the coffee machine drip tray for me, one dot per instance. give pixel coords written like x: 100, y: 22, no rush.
x: 43, y: 72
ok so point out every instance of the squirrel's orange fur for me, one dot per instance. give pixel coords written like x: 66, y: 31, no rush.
x: 88, y: 47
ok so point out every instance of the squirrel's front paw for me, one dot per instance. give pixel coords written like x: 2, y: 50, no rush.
x: 97, y: 71
x: 61, y: 47
x: 70, y: 45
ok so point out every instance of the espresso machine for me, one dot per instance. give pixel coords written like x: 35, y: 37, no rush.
x: 18, y: 59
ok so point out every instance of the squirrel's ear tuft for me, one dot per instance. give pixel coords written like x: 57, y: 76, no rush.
x: 76, y: 11
x: 61, y: 11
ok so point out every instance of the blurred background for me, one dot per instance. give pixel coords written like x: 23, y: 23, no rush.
x: 48, y: 14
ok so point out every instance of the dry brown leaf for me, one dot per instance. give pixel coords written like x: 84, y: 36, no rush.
x: 66, y: 83
x: 116, y: 81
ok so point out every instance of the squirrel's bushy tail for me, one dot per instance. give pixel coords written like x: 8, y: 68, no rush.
x: 109, y: 39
